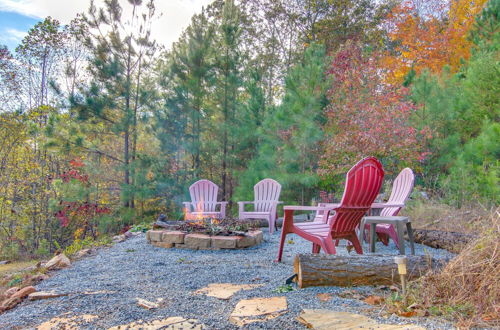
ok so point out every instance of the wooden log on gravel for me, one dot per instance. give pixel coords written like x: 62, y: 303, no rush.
x: 353, y: 270
x: 439, y: 239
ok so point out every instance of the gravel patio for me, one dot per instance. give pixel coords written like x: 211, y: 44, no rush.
x: 118, y: 275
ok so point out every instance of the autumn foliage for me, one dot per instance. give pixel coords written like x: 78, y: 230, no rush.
x: 429, y: 35
x: 367, y: 116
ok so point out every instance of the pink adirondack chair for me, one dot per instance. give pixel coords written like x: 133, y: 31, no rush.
x: 401, y: 190
x: 204, y: 201
x: 363, y: 182
x: 266, y: 200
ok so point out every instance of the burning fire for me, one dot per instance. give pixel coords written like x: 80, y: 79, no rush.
x: 199, y: 215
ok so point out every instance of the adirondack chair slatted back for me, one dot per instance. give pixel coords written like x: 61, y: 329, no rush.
x: 401, y: 190
x: 204, y: 195
x: 363, y: 183
x: 266, y: 191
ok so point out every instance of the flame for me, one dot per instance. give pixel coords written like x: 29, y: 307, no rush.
x: 197, y: 216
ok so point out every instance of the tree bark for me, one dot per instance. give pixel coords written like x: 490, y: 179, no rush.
x: 439, y: 239
x: 352, y: 270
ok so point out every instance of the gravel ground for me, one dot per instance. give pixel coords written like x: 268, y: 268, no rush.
x: 134, y: 269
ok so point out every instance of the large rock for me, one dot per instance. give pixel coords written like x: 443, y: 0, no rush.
x: 24, y: 292
x: 258, y: 310
x: 246, y: 241
x: 154, y: 235
x: 45, y: 295
x: 9, y: 304
x: 173, y: 237
x: 11, y: 291
x: 225, y: 242
x: 225, y: 291
x: 323, y: 319
x: 196, y: 241
x: 59, y: 261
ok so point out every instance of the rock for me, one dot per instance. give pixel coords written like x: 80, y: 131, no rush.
x: 147, y: 304
x: 59, y: 261
x: 163, y: 245
x: 323, y: 319
x: 154, y: 235
x: 11, y: 291
x: 82, y: 253
x: 257, y: 235
x: 324, y: 297
x: 246, y: 241
x: 225, y: 242
x: 24, y: 292
x: 4, y: 262
x: 225, y: 291
x: 38, y: 278
x: 45, y: 295
x: 257, y: 310
x: 9, y: 303
x: 173, y: 237
x: 195, y: 241
x: 67, y: 322
x: 119, y: 238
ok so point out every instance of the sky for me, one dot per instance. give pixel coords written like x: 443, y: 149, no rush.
x: 18, y: 16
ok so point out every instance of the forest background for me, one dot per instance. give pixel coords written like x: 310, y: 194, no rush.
x: 102, y: 128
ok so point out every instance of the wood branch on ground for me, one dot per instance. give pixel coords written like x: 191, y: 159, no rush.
x: 353, y: 270
x: 439, y: 239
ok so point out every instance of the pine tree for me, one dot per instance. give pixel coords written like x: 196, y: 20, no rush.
x: 121, y: 51
x: 290, y: 135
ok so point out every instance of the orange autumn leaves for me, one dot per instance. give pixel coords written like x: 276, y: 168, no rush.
x: 429, y: 34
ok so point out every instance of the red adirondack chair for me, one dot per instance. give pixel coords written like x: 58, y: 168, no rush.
x: 266, y: 200
x: 401, y: 190
x: 363, y: 183
x: 204, y: 201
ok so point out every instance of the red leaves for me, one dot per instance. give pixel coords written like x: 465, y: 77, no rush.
x: 366, y: 116
x: 69, y: 210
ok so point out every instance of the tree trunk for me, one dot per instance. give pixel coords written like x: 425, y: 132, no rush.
x: 335, y: 270
x: 439, y: 239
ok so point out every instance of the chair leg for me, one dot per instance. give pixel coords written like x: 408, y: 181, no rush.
x: 372, y: 237
x: 401, y: 238
x: 337, y: 242
x: 361, y: 230
x: 409, y: 229
x: 357, y: 245
x: 316, y: 248
x: 271, y: 225
x: 282, y: 244
x: 383, y: 238
x: 328, y: 245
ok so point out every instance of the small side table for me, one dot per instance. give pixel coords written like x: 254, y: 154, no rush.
x: 398, y: 222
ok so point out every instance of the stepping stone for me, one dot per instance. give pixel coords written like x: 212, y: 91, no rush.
x: 174, y: 323
x: 225, y: 291
x: 258, y: 310
x: 67, y: 322
x: 323, y: 319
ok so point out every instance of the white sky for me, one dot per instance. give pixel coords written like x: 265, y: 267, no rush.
x: 165, y: 30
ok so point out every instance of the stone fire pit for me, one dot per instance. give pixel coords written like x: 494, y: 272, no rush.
x: 171, y: 238
x: 208, y: 234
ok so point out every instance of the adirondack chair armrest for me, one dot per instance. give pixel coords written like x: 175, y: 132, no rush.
x: 384, y: 205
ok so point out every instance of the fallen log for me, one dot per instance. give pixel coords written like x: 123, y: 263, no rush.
x: 439, y: 239
x: 354, y: 270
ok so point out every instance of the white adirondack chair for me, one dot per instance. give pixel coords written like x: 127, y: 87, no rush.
x: 401, y: 190
x: 204, y: 201
x: 266, y: 196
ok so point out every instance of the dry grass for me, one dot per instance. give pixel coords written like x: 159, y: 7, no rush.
x: 468, y: 288
x: 432, y: 214
x: 15, y: 267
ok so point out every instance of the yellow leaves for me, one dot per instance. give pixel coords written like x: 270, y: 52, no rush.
x: 429, y: 42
